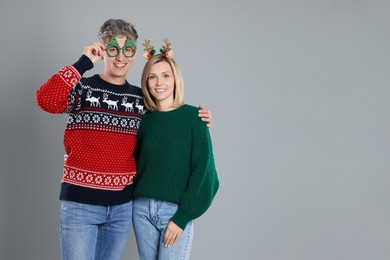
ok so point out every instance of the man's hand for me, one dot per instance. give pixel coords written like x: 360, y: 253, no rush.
x: 172, y: 234
x: 205, y: 115
x: 94, y: 51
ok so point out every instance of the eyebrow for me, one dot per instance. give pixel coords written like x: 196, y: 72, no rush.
x: 164, y: 72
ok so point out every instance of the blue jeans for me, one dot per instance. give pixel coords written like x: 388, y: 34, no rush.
x: 151, y: 218
x: 92, y: 232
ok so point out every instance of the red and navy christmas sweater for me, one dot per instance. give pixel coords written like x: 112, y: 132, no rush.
x: 100, y: 133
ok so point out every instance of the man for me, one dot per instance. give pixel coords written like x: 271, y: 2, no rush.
x: 104, y: 113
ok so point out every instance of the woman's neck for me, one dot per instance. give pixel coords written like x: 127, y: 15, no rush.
x: 165, y: 106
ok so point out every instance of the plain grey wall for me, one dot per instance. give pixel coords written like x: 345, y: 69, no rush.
x: 299, y: 92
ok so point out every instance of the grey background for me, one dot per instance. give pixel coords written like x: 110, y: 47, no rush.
x: 299, y: 92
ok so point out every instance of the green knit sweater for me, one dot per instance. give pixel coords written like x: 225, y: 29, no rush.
x: 175, y: 162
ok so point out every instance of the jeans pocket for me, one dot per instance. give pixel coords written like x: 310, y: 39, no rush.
x: 170, y: 204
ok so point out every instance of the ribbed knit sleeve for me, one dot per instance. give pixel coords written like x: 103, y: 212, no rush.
x: 54, y: 95
x: 203, y: 182
x: 83, y: 64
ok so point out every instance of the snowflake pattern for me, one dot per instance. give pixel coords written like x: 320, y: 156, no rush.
x: 106, y: 120
x: 70, y: 75
x: 96, y: 118
x: 106, y: 181
x: 123, y: 122
x: 87, y: 118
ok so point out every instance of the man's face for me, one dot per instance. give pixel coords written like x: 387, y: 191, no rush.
x: 116, y: 63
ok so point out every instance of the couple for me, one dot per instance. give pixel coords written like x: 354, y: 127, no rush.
x: 106, y: 143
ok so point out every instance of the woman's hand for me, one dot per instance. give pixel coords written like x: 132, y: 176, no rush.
x: 172, y: 234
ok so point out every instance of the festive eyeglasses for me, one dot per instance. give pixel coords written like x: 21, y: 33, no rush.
x: 128, y: 49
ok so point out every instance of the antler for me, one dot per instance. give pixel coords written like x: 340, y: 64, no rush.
x: 149, y: 49
x: 167, y: 45
x: 166, y: 49
x: 148, y: 46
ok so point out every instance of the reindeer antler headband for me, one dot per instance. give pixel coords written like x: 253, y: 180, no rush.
x: 165, y: 49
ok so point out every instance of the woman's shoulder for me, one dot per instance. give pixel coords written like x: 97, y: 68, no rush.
x: 190, y: 108
x: 192, y: 114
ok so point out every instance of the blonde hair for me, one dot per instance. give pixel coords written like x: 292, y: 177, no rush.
x: 178, y: 92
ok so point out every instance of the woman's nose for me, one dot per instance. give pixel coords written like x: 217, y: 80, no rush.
x: 158, y: 80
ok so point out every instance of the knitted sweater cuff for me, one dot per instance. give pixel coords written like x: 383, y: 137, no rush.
x: 83, y: 64
x: 181, y: 219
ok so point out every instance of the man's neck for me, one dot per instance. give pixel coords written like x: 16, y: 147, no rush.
x: 113, y: 80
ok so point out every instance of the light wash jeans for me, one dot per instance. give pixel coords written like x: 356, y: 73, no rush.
x: 92, y: 232
x: 150, y: 218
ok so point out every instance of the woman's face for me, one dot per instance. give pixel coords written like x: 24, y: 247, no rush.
x: 161, y: 84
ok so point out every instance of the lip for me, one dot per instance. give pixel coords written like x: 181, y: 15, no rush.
x: 120, y: 65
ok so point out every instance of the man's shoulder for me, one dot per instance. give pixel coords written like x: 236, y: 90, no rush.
x: 133, y: 89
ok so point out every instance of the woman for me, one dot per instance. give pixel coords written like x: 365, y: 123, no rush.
x: 176, y: 178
